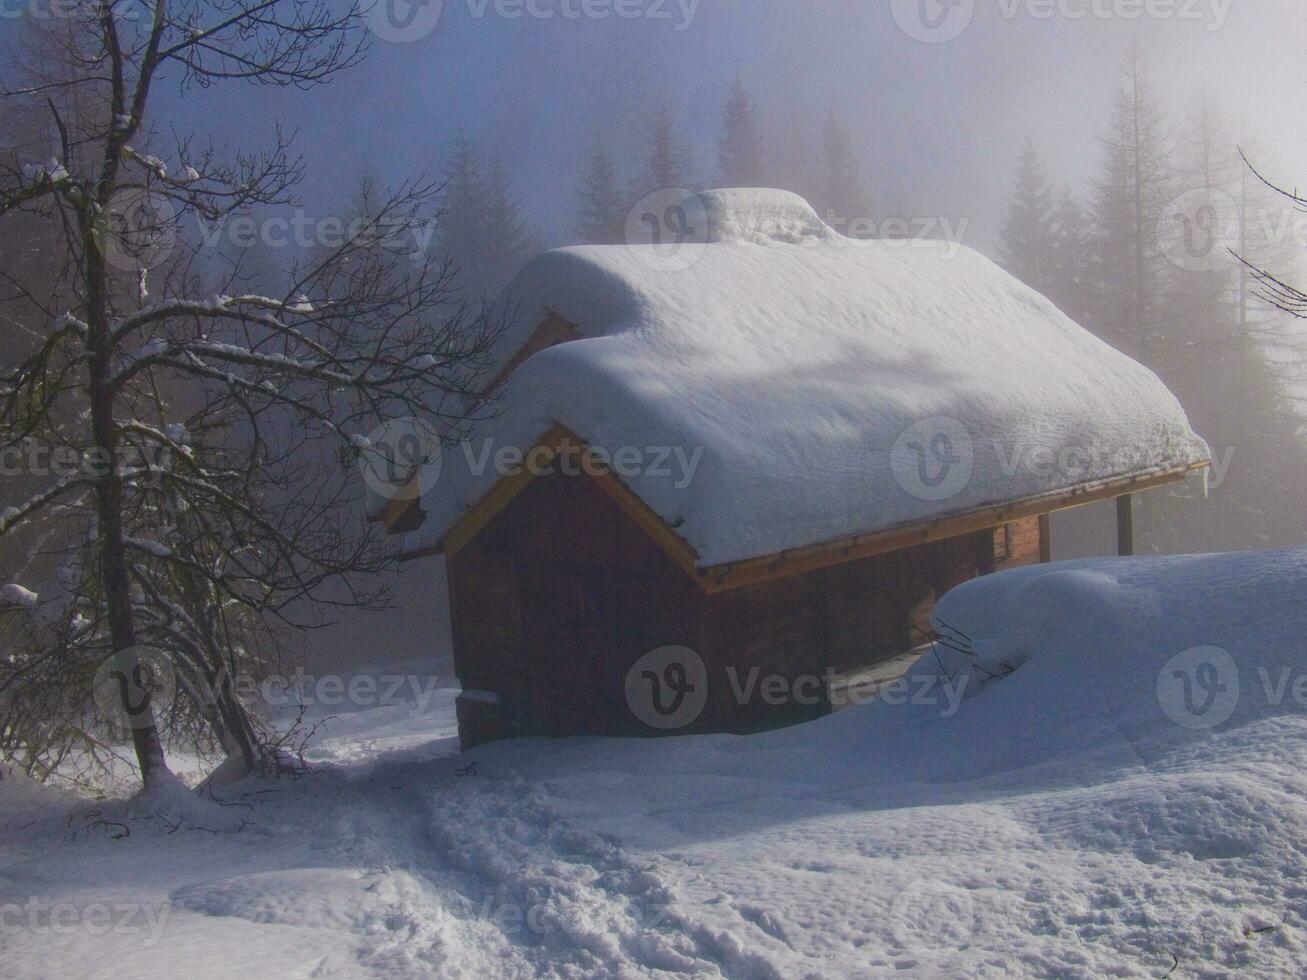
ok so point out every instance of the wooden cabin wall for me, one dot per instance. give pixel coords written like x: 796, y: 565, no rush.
x: 561, y: 594
x: 862, y: 607
x: 1026, y: 543
x: 553, y: 602
x: 855, y: 614
x: 753, y: 634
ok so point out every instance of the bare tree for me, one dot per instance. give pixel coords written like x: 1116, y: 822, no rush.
x: 209, y: 499
x: 1274, y: 282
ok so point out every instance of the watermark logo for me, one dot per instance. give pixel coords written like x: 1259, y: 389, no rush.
x: 932, y: 915
x: 1199, y: 230
x: 139, y: 683
x: 1199, y: 688
x: 543, y: 917
x: 401, y: 459
x: 667, y: 689
x: 137, y: 230
x: 404, y: 21
x: 934, y: 459
x: 133, y: 684
x: 809, y: 690
x: 357, y: 691
x: 672, y: 226
x: 933, y: 21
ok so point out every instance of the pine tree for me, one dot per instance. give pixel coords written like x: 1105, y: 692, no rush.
x: 1133, y: 195
x: 1267, y: 431
x: 1206, y: 367
x: 842, y: 199
x: 1070, y: 283
x: 1203, y: 295
x: 668, y: 165
x: 463, y: 223
x: 792, y: 162
x: 1029, y: 233
x: 507, y: 245
x: 1225, y: 352
x: 482, y: 230
x: 603, y: 205
x: 740, y: 162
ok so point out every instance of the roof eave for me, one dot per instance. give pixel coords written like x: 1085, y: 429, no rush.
x: 751, y: 571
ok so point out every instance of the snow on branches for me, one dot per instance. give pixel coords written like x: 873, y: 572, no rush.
x: 204, y: 487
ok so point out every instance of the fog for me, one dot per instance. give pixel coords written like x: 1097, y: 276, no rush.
x: 937, y: 101
x: 937, y: 126
x: 286, y: 330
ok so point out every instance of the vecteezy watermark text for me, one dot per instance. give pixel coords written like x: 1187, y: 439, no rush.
x: 31, y: 457
x: 122, y: 918
x: 135, y: 683
x: 939, y: 21
x: 405, y: 458
x: 406, y: 21
x: 573, y: 458
x: 305, y: 231
x: 671, y: 228
x: 935, y: 459
x: 669, y: 688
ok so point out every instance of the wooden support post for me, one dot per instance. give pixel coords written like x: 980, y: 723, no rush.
x: 1125, y: 525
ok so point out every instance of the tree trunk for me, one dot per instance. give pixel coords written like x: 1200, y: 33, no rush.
x: 114, y: 577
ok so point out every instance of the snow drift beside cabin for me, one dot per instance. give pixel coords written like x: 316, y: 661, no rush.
x: 794, y: 359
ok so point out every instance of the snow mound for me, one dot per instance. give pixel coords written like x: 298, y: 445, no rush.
x: 1160, y: 650
x: 813, y: 388
x: 19, y: 792
x: 332, y: 898
x: 13, y: 594
x: 760, y: 216
x: 1037, y: 611
x: 169, y: 806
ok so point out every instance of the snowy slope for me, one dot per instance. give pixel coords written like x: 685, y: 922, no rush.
x: 800, y: 371
x: 1073, y: 816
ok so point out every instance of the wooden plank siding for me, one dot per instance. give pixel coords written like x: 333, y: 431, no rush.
x: 562, y: 591
x: 556, y: 598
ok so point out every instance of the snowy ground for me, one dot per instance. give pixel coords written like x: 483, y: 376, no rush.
x: 1127, y: 800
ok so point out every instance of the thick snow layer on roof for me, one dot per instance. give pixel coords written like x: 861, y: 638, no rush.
x: 759, y: 215
x: 811, y: 387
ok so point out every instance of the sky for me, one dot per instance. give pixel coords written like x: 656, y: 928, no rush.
x: 938, y: 123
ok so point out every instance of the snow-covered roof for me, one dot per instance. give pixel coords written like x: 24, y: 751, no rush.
x: 827, y: 387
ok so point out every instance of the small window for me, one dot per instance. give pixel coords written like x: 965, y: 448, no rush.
x: 1002, y: 543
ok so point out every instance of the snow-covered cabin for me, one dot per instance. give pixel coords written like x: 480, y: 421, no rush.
x: 808, y: 440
